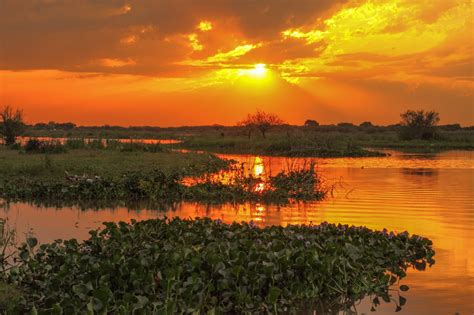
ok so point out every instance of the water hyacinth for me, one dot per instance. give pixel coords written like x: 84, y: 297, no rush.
x: 164, y: 266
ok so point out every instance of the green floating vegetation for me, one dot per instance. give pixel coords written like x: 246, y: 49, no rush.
x: 201, y: 266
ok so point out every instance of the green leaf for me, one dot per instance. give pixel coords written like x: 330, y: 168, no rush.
x: 57, y: 309
x: 90, y: 308
x: 32, y: 241
x: 404, y: 288
x: 142, y: 301
x: 273, y: 295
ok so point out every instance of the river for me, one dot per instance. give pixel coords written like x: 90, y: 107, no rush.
x: 426, y: 194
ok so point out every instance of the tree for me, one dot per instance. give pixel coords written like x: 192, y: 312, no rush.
x: 418, y: 124
x: 11, y: 124
x: 366, y: 124
x: 261, y: 121
x: 311, y: 123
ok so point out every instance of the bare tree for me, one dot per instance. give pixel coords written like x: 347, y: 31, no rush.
x: 11, y: 124
x: 418, y: 124
x: 261, y: 121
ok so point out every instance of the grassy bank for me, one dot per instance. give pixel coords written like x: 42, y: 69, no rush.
x: 319, y: 141
x: 111, y: 177
x: 280, y: 144
x: 109, y: 163
x: 201, y: 266
x: 324, y: 142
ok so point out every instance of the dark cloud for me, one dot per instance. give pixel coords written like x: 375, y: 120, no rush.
x: 71, y: 35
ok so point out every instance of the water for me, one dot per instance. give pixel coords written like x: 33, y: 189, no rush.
x: 426, y: 194
x: 24, y: 140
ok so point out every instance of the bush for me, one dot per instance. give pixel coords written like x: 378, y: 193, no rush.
x: 418, y: 125
x: 35, y: 146
x: 75, y: 144
x: 202, y: 266
x: 298, y: 184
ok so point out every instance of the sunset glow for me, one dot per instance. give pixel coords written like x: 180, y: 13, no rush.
x: 259, y: 70
x: 163, y: 63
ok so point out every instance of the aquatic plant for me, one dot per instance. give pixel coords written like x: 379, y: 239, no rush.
x: 301, y: 183
x: 172, y: 266
x: 155, y: 185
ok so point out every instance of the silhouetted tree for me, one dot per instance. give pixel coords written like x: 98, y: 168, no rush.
x: 311, y: 123
x: 418, y: 124
x: 11, y: 124
x: 261, y: 121
x: 366, y: 124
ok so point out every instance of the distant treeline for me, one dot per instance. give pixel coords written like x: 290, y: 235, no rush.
x: 342, y: 127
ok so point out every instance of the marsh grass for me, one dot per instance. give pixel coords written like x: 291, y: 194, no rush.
x: 305, y: 145
x: 104, y: 163
x: 159, y: 187
x: 7, y: 243
x: 9, y: 293
x: 324, y: 141
x: 235, y: 184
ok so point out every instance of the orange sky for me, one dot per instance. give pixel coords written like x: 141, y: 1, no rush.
x: 186, y: 62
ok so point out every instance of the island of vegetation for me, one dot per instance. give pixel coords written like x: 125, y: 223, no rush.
x: 175, y: 266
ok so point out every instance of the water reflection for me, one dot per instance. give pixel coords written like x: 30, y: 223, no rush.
x: 433, y: 198
x: 24, y: 140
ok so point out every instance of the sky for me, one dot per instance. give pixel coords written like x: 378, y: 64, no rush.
x: 201, y: 62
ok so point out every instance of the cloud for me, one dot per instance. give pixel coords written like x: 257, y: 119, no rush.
x: 69, y: 35
x: 115, y: 63
x: 205, y: 26
x: 395, y: 50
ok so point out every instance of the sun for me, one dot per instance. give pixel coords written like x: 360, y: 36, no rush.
x: 255, y: 75
x: 259, y: 70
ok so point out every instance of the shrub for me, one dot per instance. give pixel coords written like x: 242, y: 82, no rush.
x: 311, y: 123
x: 11, y: 124
x: 43, y: 147
x: 418, y: 125
x: 75, y: 144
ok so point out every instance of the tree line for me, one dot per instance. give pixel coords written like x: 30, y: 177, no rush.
x: 414, y: 124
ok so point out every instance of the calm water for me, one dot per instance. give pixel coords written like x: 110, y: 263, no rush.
x: 24, y: 140
x: 426, y: 194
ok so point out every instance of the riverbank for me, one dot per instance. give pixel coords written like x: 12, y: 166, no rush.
x: 110, y: 163
x: 292, y: 141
